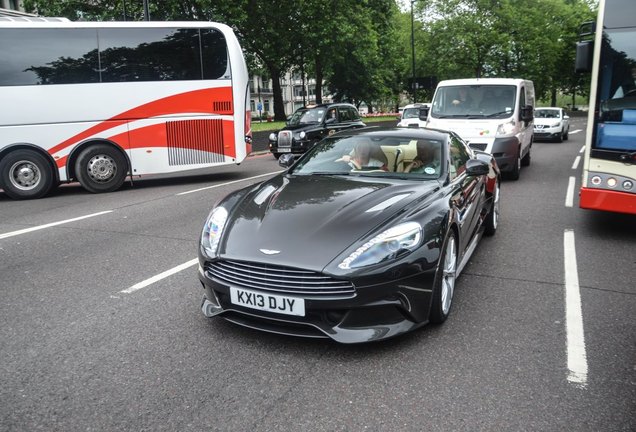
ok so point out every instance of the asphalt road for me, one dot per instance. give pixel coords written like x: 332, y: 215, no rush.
x: 90, y: 342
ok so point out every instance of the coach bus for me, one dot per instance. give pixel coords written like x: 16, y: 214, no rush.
x: 96, y: 102
x: 609, y: 169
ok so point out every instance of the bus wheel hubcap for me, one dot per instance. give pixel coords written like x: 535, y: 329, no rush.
x: 25, y: 175
x: 101, y: 168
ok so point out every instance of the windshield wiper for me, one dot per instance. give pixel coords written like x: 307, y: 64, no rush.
x: 497, y: 114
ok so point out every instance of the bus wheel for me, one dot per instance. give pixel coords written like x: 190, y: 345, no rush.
x: 101, y: 168
x: 25, y: 174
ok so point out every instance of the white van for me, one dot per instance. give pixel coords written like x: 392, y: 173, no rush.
x: 491, y: 114
x: 414, y: 115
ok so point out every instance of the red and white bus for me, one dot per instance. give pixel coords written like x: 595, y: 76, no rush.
x: 609, y: 169
x: 99, y: 101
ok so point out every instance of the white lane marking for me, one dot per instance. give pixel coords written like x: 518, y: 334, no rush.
x: 160, y: 276
x: 228, y: 183
x: 577, y: 357
x: 49, y: 225
x: 575, y: 165
x: 582, y: 149
x: 569, y: 197
x: 575, y: 131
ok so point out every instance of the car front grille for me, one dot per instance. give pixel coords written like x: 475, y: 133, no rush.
x: 279, y: 279
x: 284, y: 139
x: 479, y: 146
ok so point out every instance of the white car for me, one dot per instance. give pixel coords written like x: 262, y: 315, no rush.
x: 414, y: 115
x: 551, y: 124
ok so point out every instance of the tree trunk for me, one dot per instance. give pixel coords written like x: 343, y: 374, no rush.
x: 279, y: 106
x: 553, y: 96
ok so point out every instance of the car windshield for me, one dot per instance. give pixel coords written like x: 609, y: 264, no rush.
x: 386, y: 156
x: 411, y: 113
x: 474, y: 101
x: 546, y: 113
x: 307, y: 116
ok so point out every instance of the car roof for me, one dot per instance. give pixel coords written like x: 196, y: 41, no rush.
x: 328, y: 105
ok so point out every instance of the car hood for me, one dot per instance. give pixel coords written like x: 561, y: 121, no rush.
x: 469, y: 129
x: 303, y: 127
x: 545, y: 121
x: 307, y: 221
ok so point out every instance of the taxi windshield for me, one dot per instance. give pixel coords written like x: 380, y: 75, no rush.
x: 307, y: 116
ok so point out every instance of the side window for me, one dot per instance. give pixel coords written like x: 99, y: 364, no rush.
x: 522, y: 97
x: 459, y: 155
x: 354, y: 114
x: 343, y: 115
x: 48, y: 56
x: 150, y: 54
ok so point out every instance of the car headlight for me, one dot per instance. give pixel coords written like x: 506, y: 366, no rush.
x: 556, y: 124
x: 301, y: 135
x: 507, y: 128
x: 389, y: 244
x: 212, y: 231
x: 272, y: 136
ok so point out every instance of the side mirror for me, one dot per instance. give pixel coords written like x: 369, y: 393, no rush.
x: 286, y: 160
x: 423, y: 114
x: 584, y: 55
x: 566, y: 117
x: 527, y: 113
x: 476, y: 167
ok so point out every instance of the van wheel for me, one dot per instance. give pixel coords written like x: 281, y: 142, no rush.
x: 527, y: 158
x: 516, y: 169
x: 566, y: 136
x: 25, y: 174
x: 101, y: 168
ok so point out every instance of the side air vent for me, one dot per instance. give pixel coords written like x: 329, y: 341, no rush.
x: 192, y: 142
x: 222, y: 107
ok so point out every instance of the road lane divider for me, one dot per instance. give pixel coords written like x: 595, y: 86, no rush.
x: 52, y: 224
x: 575, y: 131
x: 577, y: 356
x: 569, y: 196
x: 228, y: 183
x: 577, y: 160
x: 160, y: 276
x: 582, y: 149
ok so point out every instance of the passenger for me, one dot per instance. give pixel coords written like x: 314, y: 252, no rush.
x: 427, y: 160
x: 362, y: 157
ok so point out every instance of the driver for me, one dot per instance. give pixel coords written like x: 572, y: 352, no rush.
x: 361, y: 157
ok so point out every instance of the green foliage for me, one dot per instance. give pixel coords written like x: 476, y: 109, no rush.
x: 363, y: 48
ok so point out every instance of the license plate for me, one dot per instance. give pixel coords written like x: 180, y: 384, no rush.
x: 284, y: 150
x: 268, y: 302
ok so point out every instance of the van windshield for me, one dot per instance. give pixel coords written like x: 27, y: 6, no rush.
x: 474, y: 101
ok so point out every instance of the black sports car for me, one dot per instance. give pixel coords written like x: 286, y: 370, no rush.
x: 360, y: 239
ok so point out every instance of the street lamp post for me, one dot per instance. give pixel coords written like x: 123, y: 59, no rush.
x: 413, y: 83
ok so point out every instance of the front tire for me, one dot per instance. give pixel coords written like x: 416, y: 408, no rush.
x: 101, y: 168
x: 567, y: 134
x: 26, y: 174
x: 492, y: 219
x: 444, y: 286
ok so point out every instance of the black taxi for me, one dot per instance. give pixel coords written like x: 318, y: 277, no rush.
x: 310, y: 124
